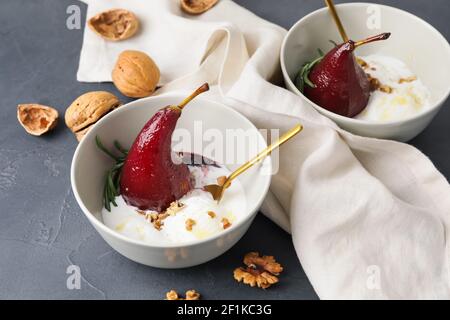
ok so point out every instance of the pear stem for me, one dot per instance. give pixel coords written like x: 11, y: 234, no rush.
x: 336, y: 19
x: 382, y: 36
x: 200, y: 90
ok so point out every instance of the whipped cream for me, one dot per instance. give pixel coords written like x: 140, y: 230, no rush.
x: 198, y: 205
x: 402, y: 94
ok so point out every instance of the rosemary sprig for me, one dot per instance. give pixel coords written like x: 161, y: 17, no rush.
x: 302, y: 77
x: 112, y: 181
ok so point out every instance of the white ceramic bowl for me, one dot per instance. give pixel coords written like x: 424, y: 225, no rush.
x: 89, y: 166
x: 414, y: 41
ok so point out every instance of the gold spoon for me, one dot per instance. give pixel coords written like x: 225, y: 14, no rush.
x: 336, y: 19
x: 218, y: 191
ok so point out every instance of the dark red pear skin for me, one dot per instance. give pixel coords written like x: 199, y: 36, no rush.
x: 149, y: 179
x: 341, y: 86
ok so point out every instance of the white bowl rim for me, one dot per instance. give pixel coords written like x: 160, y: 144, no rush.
x: 115, y: 234
x: 354, y: 121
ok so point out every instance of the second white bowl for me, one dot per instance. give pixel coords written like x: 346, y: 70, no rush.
x: 414, y: 41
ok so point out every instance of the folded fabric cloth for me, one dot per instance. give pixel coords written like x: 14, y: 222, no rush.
x: 368, y: 217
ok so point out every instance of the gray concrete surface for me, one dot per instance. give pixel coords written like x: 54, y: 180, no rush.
x: 42, y: 230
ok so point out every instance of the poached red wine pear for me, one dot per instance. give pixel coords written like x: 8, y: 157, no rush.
x: 150, y: 180
x: 337, y: 82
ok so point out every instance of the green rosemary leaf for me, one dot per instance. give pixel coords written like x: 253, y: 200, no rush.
x: 116, y: 180
x: 111, y: 185
x: 118, y: 165
x: 102, y: 147
x: 120, y: 148
x: 111, y: 195
x: 302, y: 77
x: 106, y: 201
x: 333, y: 42
x: 112, y: 180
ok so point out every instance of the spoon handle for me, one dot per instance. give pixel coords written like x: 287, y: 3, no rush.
x: 285, y: 137
x: 336, y: 19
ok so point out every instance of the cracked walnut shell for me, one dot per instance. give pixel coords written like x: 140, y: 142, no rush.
x: 37, y: 119
x: 197, y: 6
x: 88, y: 109
x: 261, y: 271
x: 135, y: 74
x: 115, y: 24
x: 80, y: 134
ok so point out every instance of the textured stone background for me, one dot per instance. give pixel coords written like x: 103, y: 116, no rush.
x: 42, y: 230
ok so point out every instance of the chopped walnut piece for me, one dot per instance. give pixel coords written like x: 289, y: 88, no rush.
x: 408, y: 79
x: 362, y: 63
x: 172, y: 295
x: 385, y: 88
x: 174, y: 208
x: 158, y: 224
x: 212, y: 214
x: 261, y: 271
x: 255, y: 278
x: 154, y: 218
x: 141, y: 212
x: 189, y: 224
x: 190, y: 295
x: 375, y: 84
x: 157, y: 218
x: 226, y: 223
x: 221, y: 180
x: 267, y: 263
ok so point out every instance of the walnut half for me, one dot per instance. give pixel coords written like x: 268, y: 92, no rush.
x: 261, y: 271
x: 37, y: 119
x: 197, y: 6
x: 115, y: 24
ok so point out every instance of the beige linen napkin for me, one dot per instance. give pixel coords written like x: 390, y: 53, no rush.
x: 368, y: 217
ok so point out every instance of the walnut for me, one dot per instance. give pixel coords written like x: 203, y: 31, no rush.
x: 80, y: 134
x: 174, y: 208
x: 141, y: 212
x: 212, y: 214
x: 190, y: 224
x: 115, y: 24
x: 362, y: 63
x: 261, y: 271
x: 225, y: 223
x: 267, y: 263
x: 156, y: 218
x: 375, y: 84
x: 37, y: 119
x: 197, y: 6
x: 385, y: 88
x: 407, y: 79
x: 87, y: 109
x: 172, y: 295
x: 221, y: 180
x: 135, y: 74
x: 255, y: 278
x: 190, y: 295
